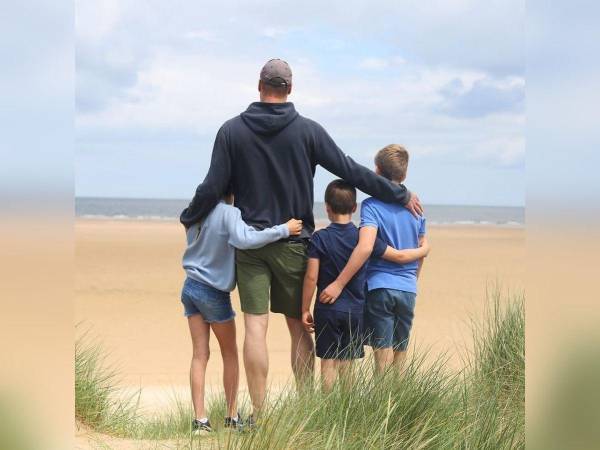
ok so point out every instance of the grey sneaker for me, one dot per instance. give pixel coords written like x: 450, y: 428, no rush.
x: 251, y: 422
x: 234, y: 422
x: 201, y: 427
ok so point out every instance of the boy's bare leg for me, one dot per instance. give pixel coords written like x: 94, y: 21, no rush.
x: 256, y: 358
x: 200, y: 333
x: 399, y: 360
x: 384, y: 358
x: 225, y: 333
x: 347, y: 373
x: 329, y: 371
x: 302, y: 353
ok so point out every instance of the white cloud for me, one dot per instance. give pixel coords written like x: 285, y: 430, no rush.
x: 482, y: 97
x: 273, y: 32
x: 374, y: 64
x: 94, y: 22
x: 177, y: 92
x: 203, y: 35
x: 507, y: 151
x: 150, y: 70
x: 381, y: 63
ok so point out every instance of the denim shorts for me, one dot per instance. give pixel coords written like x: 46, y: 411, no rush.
x: 339, y: 335
x: 212, y: 304
x: 388, y: 316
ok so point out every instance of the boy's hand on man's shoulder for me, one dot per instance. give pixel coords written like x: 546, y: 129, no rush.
x: 308, y: 321
x: 331, y: 293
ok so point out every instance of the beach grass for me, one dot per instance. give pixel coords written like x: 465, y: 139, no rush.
x: 427, y: 406
x: 98, y: 403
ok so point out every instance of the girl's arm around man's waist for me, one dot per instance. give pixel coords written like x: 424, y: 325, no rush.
x: 244, y: 237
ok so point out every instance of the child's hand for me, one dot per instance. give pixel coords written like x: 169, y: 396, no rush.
x: 331, y: 293
x: 425, y: 246
x: 295, y: 226
x: 308, y: 321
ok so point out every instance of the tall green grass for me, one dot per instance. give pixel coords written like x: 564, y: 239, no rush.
x: 97, y: 403
x: 102, y: 407
x: 496, y: 377
x: 425, y: 407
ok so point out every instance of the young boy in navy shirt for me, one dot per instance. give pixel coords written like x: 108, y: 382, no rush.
x: 338, y: 323
x: 392, y: 288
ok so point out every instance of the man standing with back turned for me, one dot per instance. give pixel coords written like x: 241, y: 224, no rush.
x: 268, y: 154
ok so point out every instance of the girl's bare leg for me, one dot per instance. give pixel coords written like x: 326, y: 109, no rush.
x: 200, y: 332
x: 225, y: 333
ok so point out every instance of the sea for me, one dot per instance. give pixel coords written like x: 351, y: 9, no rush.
x: 169, y: 210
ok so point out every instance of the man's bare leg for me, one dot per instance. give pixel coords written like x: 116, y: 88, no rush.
x: 200, y: 333
x: 256, y: 358
x: 329, y: 372
x: 225, y: 333
x: 302, y: 353
x: 384, y: 358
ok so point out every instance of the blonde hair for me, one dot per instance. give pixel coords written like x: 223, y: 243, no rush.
x: 392, y: 161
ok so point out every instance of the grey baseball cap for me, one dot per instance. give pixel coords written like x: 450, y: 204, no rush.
x: 276, y: 72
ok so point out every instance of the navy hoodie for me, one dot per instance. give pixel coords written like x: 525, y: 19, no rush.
x: 269, y: 154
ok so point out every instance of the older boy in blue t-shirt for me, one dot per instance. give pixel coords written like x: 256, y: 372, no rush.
x: 392, y: 288
x: 338, y: 324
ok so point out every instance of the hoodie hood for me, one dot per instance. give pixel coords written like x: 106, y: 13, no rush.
x: 269, y: 118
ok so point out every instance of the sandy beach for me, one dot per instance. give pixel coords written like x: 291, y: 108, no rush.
x: 128, y: 280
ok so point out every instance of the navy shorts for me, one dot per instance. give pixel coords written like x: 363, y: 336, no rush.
x: 200, y: 298
x: 388, y: 318
x: 339, y: 335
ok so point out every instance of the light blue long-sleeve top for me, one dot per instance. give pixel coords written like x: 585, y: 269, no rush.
x: 210, y: 254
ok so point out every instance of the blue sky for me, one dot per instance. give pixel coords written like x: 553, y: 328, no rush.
x: 155, y: 80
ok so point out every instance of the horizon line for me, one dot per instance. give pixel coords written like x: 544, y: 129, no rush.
x: 184, y: 199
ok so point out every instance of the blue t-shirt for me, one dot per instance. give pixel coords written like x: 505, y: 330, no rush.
x: 333, y: 246
x: 397, y: 227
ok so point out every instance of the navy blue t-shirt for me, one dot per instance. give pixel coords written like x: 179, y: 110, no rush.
x: 333, y: 246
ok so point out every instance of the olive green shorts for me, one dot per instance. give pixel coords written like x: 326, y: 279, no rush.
x: 275, y: 271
